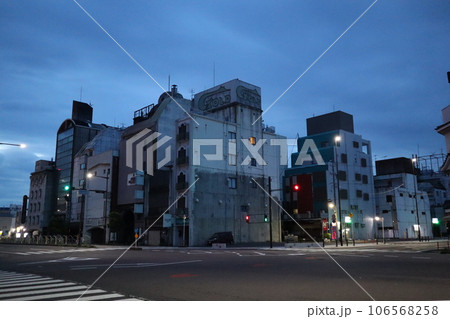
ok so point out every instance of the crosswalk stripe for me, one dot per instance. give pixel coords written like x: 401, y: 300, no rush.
x: 27, y: 288
x: 30, y: 293
x: 3, y: 278
x: 99, y: 297
x: 59, y: 295
x: 13, y: 281
x: 130, y: 299
x: 36, y: 281
x: 15, y: 278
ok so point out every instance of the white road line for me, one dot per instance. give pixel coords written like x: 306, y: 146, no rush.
x: 421, y: 257
x: 2, y: 277
x: 5, y: 283
x: 17, y: 278
x: 41, y: 292
x: 257, y: 252
x: 64, y: 294
x: 62, y: 284
x: 130, y: 299
x: 99, y: 297
x: 37, y: 281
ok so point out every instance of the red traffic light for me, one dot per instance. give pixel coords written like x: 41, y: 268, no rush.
x: 247, y: 218
x: 296, y: 187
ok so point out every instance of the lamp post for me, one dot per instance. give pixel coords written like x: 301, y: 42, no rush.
x: 337, y: 139
x: 377, y: 218
x: 413, y: 161
x: 12, y: 144
x: 105, y: 204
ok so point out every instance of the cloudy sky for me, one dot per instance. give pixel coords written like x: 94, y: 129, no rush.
x: 388, y: 70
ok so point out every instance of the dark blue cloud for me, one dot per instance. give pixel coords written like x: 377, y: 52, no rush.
x: 389, y: 70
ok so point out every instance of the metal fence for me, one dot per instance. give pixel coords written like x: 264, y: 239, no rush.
x: 57, y: 240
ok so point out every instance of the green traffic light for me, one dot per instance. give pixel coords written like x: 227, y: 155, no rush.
x: 67, y: 187
x: 266, y: 219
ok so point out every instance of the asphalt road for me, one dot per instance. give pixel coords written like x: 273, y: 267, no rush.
x: 383, y: 272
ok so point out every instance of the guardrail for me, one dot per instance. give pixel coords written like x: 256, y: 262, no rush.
x: 55, y: 240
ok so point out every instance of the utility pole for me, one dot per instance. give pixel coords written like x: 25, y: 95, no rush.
x: 270, y: 212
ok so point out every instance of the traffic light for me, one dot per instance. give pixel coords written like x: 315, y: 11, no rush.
x: 67, y: 197
x: 266, y: 219
x: 296, y: 187
x: 66, y: 188
x: 247, y: 219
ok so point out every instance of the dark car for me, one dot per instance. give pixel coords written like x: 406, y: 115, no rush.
x: 221, y: 238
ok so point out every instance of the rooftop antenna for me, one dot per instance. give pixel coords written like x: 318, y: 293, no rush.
x: 214, y: 73
x: 81, y: 93
x: 169, y: 84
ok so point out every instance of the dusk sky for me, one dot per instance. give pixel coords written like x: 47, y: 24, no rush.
x: 388, y: 71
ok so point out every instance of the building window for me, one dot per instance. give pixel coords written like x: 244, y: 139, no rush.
x: 359, y: 193
x: 412, y: 212
x: 82, y: 166
x: 344, y: 158
x: 358, y: 177
x: 232, y: 157
x: 81, y: 183
x: 244, y: 208
x: 366, y: 196
x: 342, y: 175
x: 252, y: 140
x: 355, y: 144
x: 385, y: 211
x: 363, y: 162
x: 232, y: 182
x: 343, y: 193
x: 401, y: 194
x: 389, y: 198
x: 253, y: 161
x: 365, y: 179
x: 423, y: 213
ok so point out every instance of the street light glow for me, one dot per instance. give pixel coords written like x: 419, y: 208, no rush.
x: 90, y: 175
x: 337, y: 138
x: 377, y: 218
x: 23, y: 145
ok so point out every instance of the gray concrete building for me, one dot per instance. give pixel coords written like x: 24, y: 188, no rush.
x: 202, y: 175
x: 42, y: 197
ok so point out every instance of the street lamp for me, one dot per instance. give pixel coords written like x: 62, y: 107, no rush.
x: 105, y: 204
x: 12, y: 144
x: 413, y: 161
x: 337, y: 139
x: 377, y: 218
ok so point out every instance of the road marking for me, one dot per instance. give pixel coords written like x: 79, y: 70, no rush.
x: 297, y: 254
x: 62, y: 251
x: 135, y: 265
x: 62, y: 284
x: 43, y: 288
x: 66, y: 259
x: 36, y: 281
x: 421, y: 257
x: 58, y: 295
x: 257, y: 252
x: 101, y: 297
x: 39, y: 292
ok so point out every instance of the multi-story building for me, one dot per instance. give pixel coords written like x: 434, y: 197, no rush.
x: 42, y: 197
x: 95, y: 185
x: 7, y: 222
x: 72, y: 134
x: 330, y: 182
x: 207, y: 169
x: 403, y: 209
x: 444, y: 129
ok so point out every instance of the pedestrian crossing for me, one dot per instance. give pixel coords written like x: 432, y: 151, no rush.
x: 27, y: 287
x: 62, y: 251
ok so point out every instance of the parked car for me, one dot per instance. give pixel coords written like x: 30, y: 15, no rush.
x: 221, y: 238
